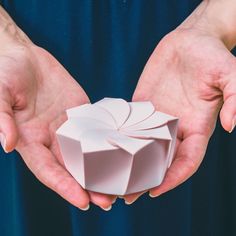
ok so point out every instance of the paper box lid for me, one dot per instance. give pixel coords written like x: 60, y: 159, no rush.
x: 117, y: 147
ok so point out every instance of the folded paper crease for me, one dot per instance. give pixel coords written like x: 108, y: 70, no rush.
x: 116, y: 147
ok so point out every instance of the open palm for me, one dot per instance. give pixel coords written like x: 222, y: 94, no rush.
x: 189, y: 75
x: 35, y: 91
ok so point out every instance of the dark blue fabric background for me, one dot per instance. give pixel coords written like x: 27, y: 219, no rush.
x: 104, y: 45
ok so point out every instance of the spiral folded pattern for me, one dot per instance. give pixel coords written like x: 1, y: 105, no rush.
x: 107, y: 142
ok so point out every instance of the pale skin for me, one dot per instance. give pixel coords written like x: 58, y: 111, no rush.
x: 191, y: 74
x: 35, y: 91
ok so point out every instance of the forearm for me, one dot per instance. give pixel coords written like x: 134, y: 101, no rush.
x: 217, y: 17
x: 9, y: 30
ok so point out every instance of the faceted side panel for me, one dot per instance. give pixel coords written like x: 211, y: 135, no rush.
x: 107, y: 171
x: 149, y: 166
x: 73, y: 157
x: 173, y: 127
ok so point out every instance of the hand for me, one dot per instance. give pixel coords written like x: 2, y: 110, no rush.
x: 35, y: 91
x: 190, y: 75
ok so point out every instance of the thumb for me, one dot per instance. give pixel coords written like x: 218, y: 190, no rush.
x: 228, y: 111
x: 8, y: 129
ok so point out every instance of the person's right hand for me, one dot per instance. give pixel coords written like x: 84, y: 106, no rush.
x: 35, y: 91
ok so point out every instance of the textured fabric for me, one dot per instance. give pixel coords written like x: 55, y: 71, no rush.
x: 104, y: 45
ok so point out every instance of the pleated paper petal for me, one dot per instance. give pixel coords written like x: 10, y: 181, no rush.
x: 116, y: 147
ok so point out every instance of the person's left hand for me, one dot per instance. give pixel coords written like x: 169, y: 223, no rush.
x: 190, y: 75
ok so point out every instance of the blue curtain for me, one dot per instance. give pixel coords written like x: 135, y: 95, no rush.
x: 105, y: 45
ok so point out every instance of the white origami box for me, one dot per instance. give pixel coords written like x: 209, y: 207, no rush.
x: 116, y: 147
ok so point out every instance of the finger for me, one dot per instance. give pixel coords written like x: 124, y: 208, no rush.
x: 8, y: 129
x: 102, y: 200
x: 131, y: 198
x: 187, y: 160
x: 228, y: 111
x: 47, y: 169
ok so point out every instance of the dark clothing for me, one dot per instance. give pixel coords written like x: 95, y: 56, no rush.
x: 105, y: 45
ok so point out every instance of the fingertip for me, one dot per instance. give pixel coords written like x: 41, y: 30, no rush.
x: 131, y: 198
x: 7, y: 144
x: 114, y: 200
x: 129, y: 202
x: 107, y: 208
x: 48, y: 170
x: 82, y: 203
x: 76, y: 195
x: 9, y: 133
x: 3, y: 141
x: 162, y: 188
x: 152, y: 195
x: 225, y: 121
x: 228, y: 114
x: 85, y: 208
x: 233, y: 125
x: 188, y: 158
x: 102, y: 200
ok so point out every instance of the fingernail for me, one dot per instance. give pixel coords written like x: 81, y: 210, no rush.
x: 3, y: 141
x: 114, y: 201
x: 107, y: 208
x: 130, y: 202
x: 86, y: 208
x: 121, y: 197
x: 152, y: 196
x: 233, y: 125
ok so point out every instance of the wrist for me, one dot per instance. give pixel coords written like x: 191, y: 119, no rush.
x: 216, y: 18
x: 9, y: 31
